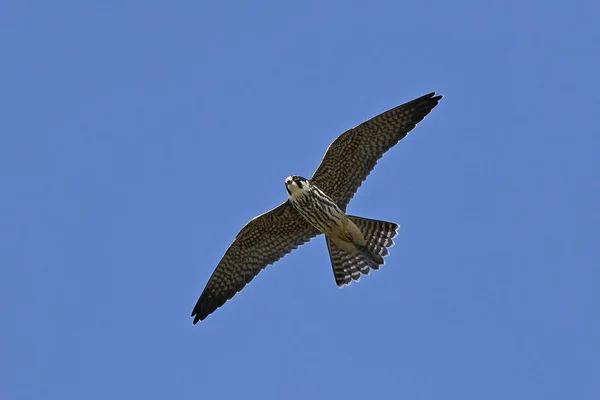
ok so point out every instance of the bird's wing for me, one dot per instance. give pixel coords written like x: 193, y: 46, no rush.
x: 263, y: 241
x: 353, y: 155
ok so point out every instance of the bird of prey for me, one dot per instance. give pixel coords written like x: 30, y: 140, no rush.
x: 317, y: 206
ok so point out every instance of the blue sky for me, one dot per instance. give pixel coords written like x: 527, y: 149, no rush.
x: 121, y: 120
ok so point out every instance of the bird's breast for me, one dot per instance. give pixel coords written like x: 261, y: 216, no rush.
x: 319, y: 210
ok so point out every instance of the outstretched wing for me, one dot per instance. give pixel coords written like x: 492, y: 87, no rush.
x: 353, y: 155
x: 264, y: 240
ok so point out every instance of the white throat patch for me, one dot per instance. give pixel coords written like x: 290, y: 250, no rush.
x: 295, y: 191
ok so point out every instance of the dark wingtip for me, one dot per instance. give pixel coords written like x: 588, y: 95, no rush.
x: 197, y: 312
x: 431, y: 96
x: 424, y: 104
x: 205, y: 306
x: 197, y: 317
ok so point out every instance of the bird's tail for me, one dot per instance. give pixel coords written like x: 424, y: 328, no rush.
x: 379, y: 236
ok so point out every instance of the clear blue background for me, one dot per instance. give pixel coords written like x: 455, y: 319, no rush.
x: 137, y: 138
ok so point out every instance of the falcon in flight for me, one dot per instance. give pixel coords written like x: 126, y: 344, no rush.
x: 317, y: 206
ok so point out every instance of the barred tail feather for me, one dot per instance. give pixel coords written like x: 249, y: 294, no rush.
x: 379, y: 236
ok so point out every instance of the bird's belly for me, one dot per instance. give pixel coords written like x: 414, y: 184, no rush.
x: 336, y: 225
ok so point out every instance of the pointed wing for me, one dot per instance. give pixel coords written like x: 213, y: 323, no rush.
x: 264, y: 240
x: 353, y: 155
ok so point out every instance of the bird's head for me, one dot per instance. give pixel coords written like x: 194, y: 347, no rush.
x: 296, y: 185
